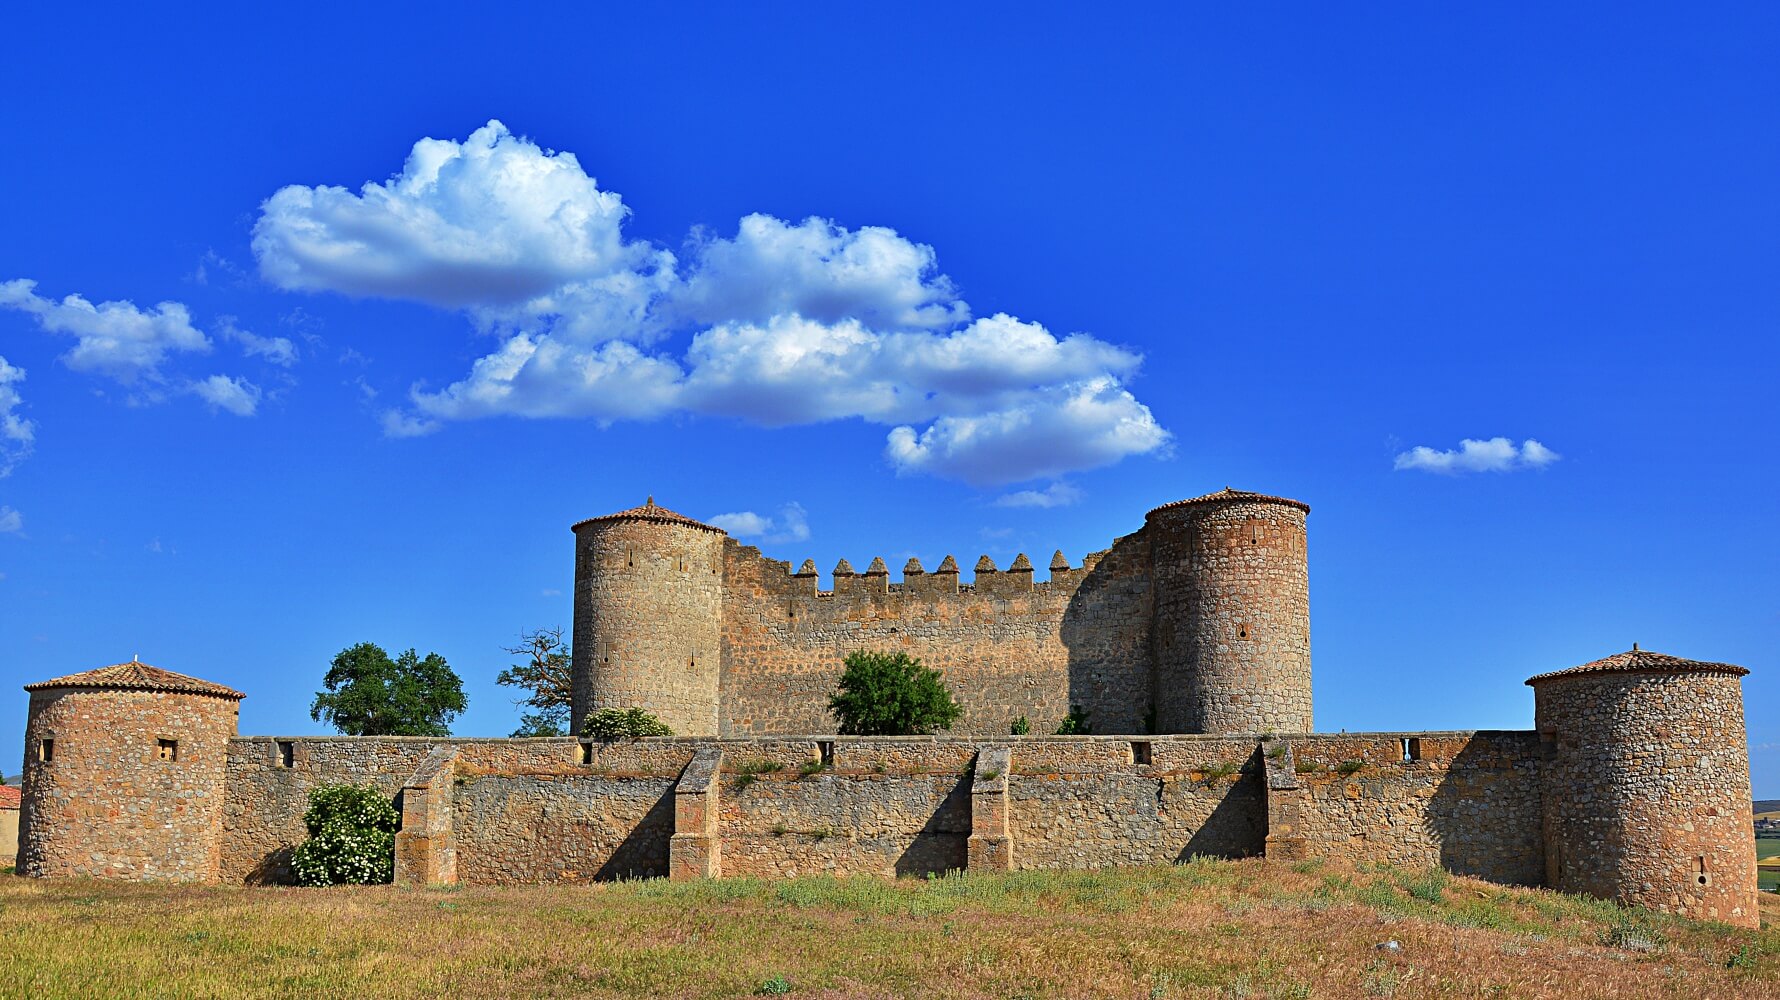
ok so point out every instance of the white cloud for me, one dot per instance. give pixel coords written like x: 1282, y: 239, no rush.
x: 278, y: 350
x: 818, y: 270
x: 789, y: 323
x: 1058, y: 494
x: 791, y: 524
x: 492, y: 220
x: 16, y: 433
x: 114, y: 339
x: 1497, y: 454
x: 11, y: 521
x: 236, y: 395
x: 1047, y: 433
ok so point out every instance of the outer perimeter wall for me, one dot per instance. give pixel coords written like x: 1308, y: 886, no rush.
x: 560, y: 810
x: 1008, y: 646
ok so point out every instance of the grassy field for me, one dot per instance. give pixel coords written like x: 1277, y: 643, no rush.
x: 1768, y: 847
x: 1219, y: 929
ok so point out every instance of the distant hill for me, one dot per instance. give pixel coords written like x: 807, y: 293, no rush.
x: 1767, y: 805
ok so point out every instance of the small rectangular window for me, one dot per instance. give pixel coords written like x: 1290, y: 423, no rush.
x: 167, y: 750
x: 826, y: 749
x: 46, y: 750
x: 1140, y: 753
x: 1412, y: 749
x: 587, y: 753
x: 287, y: 753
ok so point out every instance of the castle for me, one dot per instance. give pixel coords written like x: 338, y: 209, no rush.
x: 1189, y: 638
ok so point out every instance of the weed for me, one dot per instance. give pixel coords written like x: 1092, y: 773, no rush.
x: 748, y: 773
x: 1743, y: 959
x: 1211, y: 774
x: 777, y: 986
x: 1350, y: 767
x: 810, y: 767
x: 1021, y: 727
x: 1277, y: 752
x: 1307, y: 767
x: 991, y: 774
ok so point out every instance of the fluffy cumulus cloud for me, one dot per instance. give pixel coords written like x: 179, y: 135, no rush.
x: 16, y: 433
x: 781, y: 323
x: 491, y: 220
x: 234, y: 395
x: 1497, y: 454
x: 115, y: 339
x: 790, y: 524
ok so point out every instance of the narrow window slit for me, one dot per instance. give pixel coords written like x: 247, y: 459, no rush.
x: 587, y: 753
x: 287, y: 753
x: 46, y: 750
x: 1141, y: 753
x: 1412, y: 749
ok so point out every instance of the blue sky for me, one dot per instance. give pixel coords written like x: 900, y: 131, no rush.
x: 888, y: 282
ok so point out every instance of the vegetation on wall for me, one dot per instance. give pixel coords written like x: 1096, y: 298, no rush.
x: 1075, y: 723
x: 352, y: 837
x: 547, y: 679
x: 891, y: 694
x: 623, y: 724
x: 369, y: 694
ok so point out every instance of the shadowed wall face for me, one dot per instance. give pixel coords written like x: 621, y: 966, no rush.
x: 648, y: 621
x: 1647, y: 795
x: 124, y: 784
x: 1232, y: 617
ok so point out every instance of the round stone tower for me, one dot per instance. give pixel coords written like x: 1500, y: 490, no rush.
x: 124, y: 775
x: 649, y: 617
x: 1646, y: 784
x: 1231, y: 638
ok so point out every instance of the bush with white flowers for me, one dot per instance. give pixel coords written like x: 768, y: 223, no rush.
x: 352, y: 837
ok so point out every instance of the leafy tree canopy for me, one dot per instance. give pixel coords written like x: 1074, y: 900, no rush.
x: 369, y: 694
x: 891, y: 694
x: 547, y: 679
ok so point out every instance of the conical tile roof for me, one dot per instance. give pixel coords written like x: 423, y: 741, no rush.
x: 1228, y: 495
x: 1637, y: 660
x: 650, y: 511
x: 134, y: 676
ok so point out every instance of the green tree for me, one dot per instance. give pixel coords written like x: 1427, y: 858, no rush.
x: 369, y: 694
x: 548, y: 680
x: 891, y: 694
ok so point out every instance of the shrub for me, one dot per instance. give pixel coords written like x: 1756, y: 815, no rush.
x: 352, y: 837
x: 1020, y: 727
x: 891, y: 694
x: 1075, y: 723
x: 623, y: 724
x: 1350, y: 767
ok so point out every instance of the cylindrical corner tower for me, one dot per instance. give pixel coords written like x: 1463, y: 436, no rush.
x: 1646, y: 784
x: 124, y: 775
x: 1231, y: 638
x: 649, y: 617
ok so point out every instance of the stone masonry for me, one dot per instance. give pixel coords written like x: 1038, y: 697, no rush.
x: 1634, y: 785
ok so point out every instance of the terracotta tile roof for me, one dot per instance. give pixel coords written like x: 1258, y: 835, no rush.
x: 10, y: 797
x: 650, y: 512
x: 1226, y: 495
x: 134, y: 676
x: 1637, y: 660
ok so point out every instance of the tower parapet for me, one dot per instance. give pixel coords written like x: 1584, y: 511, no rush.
x: 124, y: 775
x: 649, y: 617
x: 1646, y: 784
x: 1231, y: 639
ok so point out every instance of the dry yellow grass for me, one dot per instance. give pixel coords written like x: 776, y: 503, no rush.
x: 1204, y: 929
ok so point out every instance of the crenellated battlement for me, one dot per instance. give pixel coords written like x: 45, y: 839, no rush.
x: 1196, y: 622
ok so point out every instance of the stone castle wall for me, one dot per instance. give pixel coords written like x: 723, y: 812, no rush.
x: 494, y: 811
x: 1008, y: 647
x: 113, y: 800
x: 1197, y: 623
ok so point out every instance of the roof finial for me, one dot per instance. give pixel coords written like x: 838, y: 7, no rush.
x: 133, y: 658
x: 650, y: 502
x: 1634, y: 647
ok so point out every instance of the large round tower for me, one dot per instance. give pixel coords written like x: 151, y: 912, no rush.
x: 649, y: 617
x: 1231, y: 638
x: 124, y: 775
x: 1646, y: 784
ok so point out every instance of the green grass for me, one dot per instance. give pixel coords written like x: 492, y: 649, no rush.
x: 1205, y: 928
x: 1767, y: 847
